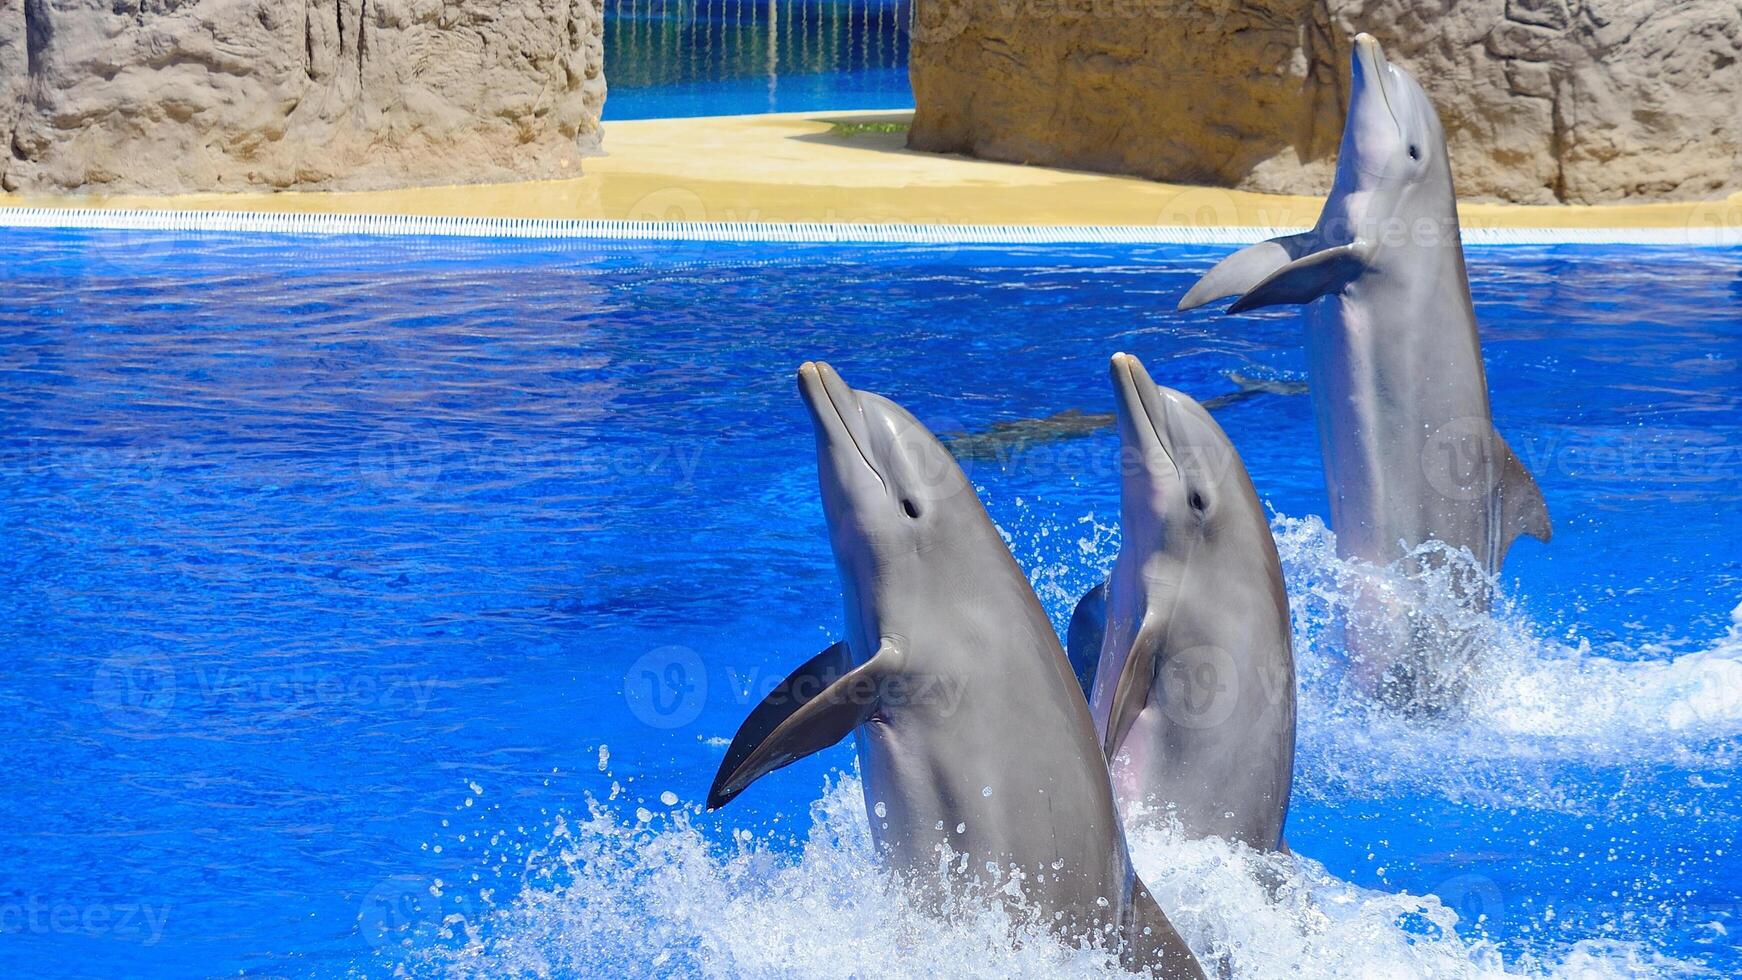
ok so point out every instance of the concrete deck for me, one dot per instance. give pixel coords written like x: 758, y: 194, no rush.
x: 798, y: 167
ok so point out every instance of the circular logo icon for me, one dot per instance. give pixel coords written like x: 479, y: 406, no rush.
x: 1716, y: 223
x: 135, y: 688
x: 670, y: 204
x: 1475, y: 898
x: 1200, y: 687
x: 396, y: 909
x: 1200, y: 207
x: 1459, y: 459
x: 933, y: 474
x: 400, y: 460
x: 937, y: 21
x: 667, y: 687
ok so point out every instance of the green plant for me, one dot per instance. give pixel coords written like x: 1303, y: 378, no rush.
x: 860, y: 128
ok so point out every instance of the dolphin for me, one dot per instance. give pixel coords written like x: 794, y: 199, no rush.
x: 1187, y: 644
x: 979, y: 761
x: 1394, y: 366
x: 1004, y: 440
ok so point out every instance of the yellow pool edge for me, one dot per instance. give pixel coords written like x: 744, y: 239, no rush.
x: 799, y: 167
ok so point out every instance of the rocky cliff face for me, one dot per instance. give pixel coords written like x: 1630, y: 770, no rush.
x: 1578, y: 101
x: 199, y: 95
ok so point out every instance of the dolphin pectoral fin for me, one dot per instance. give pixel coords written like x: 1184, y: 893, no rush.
x: 1306, y: 279
x: 1151, y: 941
x: 809, y: 711
x: 1130, y: 695
x: 1521, y: 507
x: 1083, y: 639
x: 1246, y: 268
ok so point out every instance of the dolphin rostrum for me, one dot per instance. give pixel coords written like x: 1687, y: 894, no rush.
x: 1193, y: 695
x: 979, y: 761
x: 1395, y: 370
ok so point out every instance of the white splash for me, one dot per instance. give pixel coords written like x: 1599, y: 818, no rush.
x: 610, y: 897
x: 1532, y: 698
x: 653, y: 896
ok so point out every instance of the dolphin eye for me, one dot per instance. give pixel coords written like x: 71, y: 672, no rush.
x: 1415, y: 152
x: 909, y: 509
x: 1197, y: 502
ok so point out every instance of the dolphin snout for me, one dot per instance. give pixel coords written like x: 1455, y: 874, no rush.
x: 1140, y: 398
x: 1368, y: 50
x: 822, y: 387
x: 835, y: 410
x: 1369, y: 60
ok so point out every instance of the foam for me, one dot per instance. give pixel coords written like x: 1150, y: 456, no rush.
x: 655, y: 897
x: 635, y: 893
x: 1534, y: 700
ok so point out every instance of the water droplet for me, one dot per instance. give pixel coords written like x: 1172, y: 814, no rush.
x: 668, y: 798
x: 961, y: 828
x: 881, y: 810
x: 986, y: 791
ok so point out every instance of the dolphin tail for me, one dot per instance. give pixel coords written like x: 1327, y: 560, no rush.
x: 1519, y: 505
x: 1248, y: 267
x: 1151, y: 942
x: 808, y: 712
x: 1083, y: 640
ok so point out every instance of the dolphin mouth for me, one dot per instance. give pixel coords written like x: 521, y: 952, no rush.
x: 1370, y: 61
x: 835, y: 409
x: 1145, y: 400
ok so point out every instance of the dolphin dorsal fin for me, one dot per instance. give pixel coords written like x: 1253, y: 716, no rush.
x: 1520, y: 506
x: 1083, y: 639
x: 811, y: 710
x: 1305, y: 279
x: 1248, y: 267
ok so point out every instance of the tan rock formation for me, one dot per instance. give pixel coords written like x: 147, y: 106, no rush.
x: 189, y: 95
x: 1579, y: 101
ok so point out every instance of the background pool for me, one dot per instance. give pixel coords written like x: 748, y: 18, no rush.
x: 672, y: 58
x: 338, y: 573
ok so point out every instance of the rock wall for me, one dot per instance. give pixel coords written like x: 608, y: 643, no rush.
x: 1577, y: 101
x: 213, y: 95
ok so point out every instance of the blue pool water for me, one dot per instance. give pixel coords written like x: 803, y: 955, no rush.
x: 381, y: 604
x: 668, y: 58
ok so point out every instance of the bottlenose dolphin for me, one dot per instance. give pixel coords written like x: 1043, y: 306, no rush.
x: 1193, y: 695
x: 1004, y: 440
x: 1395, y: 370
x: 978, y: 757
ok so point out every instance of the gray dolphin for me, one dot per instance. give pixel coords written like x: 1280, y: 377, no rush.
x: 1395, y: 370
x: 978, y: 756
x: 1194, y: 692
x: 1004, y: 440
